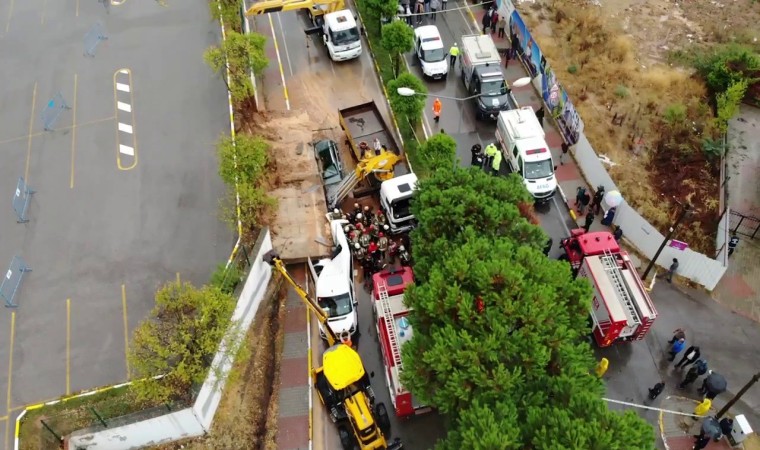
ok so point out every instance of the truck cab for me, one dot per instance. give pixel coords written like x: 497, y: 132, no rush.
x: 395, y: 199
x: 341, y: 35
x: 482, y: 76
x: 335, y: 285
x: 521, y: 138
x: 429, y: 49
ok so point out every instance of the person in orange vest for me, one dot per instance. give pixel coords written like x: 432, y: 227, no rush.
x: 437, y: 109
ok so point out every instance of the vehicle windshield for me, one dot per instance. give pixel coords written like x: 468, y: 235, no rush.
x: 328, y: 165
x: 433, y: 55
x: 493, y: 88
x: 538, y: 169
x: 337, y: 306
x: 345, y: 36
x: 402, y: 208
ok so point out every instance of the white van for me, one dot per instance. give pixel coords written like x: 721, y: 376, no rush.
x: 522, y: 142
x: 341, y: 36
x: 335, y: 284
x: 428, y: 46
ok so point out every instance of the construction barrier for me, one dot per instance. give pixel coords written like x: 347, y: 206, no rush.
x: 55, y: 106
x: 21, y: 199
x: 12, y: 281
x: 93, y: 37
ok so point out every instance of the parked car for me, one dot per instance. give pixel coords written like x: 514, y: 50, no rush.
x: 428, y: 46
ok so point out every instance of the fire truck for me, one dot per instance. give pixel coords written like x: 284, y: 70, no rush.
x: 621, y: 310
x: 394, y: 329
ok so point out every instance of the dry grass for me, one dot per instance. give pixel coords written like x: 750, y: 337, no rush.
x: 622, y: 103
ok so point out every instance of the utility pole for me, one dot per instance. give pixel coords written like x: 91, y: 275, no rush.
x: 738, y: 395
x: 686, y: 209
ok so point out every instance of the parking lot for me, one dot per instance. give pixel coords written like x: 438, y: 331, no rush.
x: 110, y: 116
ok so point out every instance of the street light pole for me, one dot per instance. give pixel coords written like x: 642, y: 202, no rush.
x: 738, y: 395
x: 686, y: 209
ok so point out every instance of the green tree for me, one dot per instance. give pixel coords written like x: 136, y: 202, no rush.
x: 244, y: 52
x: 228, y: 11
x: 379, y: 9
x: 397, y: 38
x: 256, y: 207
x: 411, y: 107
x: 728, y: 103
x: 481, y: 427
x: 178, y: 340
x: 726, y: 65
x: 440, y: 151
x: 243, y: 161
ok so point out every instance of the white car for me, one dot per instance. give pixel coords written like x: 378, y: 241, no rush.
x: 428, y: 46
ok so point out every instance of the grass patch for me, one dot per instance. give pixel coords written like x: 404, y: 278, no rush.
x: 408, y: 133
x: 78, y: 413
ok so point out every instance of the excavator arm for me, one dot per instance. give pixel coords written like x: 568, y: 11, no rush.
x: 381, y: 165
x: 273, y: 259
x: 316, y: 7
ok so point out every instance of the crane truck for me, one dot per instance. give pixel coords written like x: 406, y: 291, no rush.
x: 342, y: 383
x: 337, y: 25
x: 621, y: 309
x: 394, y: 329
x: 483, y: 78
x: 372, y: 143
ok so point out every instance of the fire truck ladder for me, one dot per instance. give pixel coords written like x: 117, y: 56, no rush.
x: 612, y: 268
x: 390, y: 323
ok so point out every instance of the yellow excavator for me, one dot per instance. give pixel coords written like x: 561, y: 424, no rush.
x: 342, y: 383
x: 331, y: 19
x: 380, y: 166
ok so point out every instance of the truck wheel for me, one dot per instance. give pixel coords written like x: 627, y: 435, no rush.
x: 346, y: 437
x: 383, y: 421
x: 563, y: 257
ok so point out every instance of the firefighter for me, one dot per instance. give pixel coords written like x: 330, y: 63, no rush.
x: 349, y: 228
x: 382, y: 242
x: 373, y: 251
x: 357, y: 209
x: 367, y: 272
x: 368, y: 213
x: 353, y: 237
x: 359, y: 252
x: 392, y: 251
x: 404, y: 256
x: 365, y: 238
x: 358, y: 220
x: 337, y: 214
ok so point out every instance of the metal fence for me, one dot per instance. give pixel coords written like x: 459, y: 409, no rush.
x: 745, y: 225
x: 21, y: 198
x: 11, y: 282
x: 93, y: 37
x: 55, y: 106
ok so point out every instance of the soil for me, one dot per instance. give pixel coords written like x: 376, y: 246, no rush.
x: 247, y: 414
x: 612, y: 57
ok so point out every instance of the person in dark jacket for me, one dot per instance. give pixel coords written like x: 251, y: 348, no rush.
x: 596, y: 202
x: 477, y: 155
x: 540, y: 116
x: 487, y: 21
x: 691, y: 376
x: 691, y: 356
x: 656, y: 390
x: 589, y: 220
x: 618, y: 234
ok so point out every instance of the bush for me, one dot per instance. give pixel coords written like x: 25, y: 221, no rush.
x: 622, y: 91
x: 226, y: 278
x: 408, y: 108
x: 398, y: 38
x: 438, y: 152
x: 572, y: 69
x: 727, y: 65
x: 243, y: 52
x: 245, y: 161
x: 256, y: 207
x: 675, y: 114
x: 728, y: 103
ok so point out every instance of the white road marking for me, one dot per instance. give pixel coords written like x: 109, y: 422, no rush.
x: 285, y: 45
x: 122, y: 87
x: 125, y: 128
x: 123, y: 71
x: 124, y: 106
x: 561, y: 216
x: 126, y: 150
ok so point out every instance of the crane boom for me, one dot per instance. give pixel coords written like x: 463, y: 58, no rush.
x: 273, y: 259
x: 316, y: 7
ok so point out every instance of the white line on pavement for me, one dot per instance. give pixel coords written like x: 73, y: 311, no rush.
x: 125, y: 128
x: 124, y: 106
x: 127, y: 150
x: 122, y: 87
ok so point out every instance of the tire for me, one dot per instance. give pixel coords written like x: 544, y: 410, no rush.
x: 563, y: 257
x: 383, y: 421
x: 346, y: 437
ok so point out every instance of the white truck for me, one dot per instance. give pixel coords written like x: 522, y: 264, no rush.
x: 337, y: 25
x: 429, y: 49
x: 334, y: 281
x: 521, y: 139
x: 482, y: 76
x: 395, y: 200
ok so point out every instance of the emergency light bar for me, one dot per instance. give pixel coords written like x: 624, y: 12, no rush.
x: 533, y: 152
x: 430, y: 39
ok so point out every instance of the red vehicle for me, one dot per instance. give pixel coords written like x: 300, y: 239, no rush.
x: 394, y: 328
x: 621, y: 310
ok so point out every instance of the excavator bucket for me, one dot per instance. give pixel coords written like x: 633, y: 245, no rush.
x: 270, y: 256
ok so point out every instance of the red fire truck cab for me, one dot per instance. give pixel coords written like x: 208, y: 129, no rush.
x: 621, y: 310
x: 394, y: 329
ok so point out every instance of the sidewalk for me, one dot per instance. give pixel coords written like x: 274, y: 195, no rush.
x: 739, y: 289
x: 678, y: 431
x: 568, y: 175
x: 293, y: 399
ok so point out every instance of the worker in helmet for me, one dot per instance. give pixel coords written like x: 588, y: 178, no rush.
x: 336, y: 214
x: 365, y: 238
x: 357, y: 209
x: 382, y: 242
x: 359, y: 252
x: 404, y: 256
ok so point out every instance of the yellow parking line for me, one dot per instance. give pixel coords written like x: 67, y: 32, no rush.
x: 31, y: 126
x: 279, y: 63
x: 10, y: 360
x: 68, y: 346
x: 73, y: 133
x: 10, y: 14
x: 126, y: 328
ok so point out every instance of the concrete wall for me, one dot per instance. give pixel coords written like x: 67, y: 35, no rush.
x: 195, y: 421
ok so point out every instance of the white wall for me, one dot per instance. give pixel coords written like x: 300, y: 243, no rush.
x: 195, y: 421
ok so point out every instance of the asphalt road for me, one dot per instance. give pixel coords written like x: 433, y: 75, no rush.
x: 127, y: 196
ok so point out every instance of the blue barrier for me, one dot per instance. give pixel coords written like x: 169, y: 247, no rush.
x: 93, y: 37
x: 12, y: 281
x: 21, y: 199
x: 55, y: 106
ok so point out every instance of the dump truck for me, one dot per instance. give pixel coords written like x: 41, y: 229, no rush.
x: 372, y: 143
x: 482, y: 76
x: 621, y: 309
x: 342, y: 383
x: 394, y: 329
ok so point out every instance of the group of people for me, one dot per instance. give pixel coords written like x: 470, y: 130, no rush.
x: 584, y: 200
x: 367, y: 232
x: 488, y: 158
x: 414, y: 11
